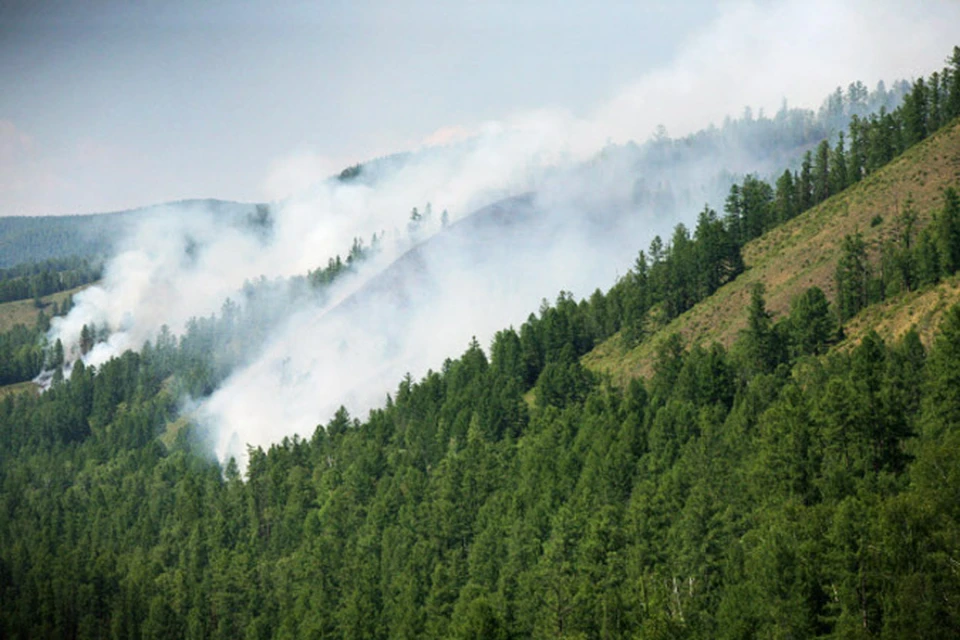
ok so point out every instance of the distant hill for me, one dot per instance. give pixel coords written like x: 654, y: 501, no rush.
x: 36, y: 238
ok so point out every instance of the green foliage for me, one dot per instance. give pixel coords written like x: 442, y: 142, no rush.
x: 686, y: 270
x: 811, y: 325
x: 764, y: 492
x: 762, y: 347
x: 35, y: 239
x: 821, y: 173
x: 728, y: 501
x: 852, y: 277
x: 34, y: 280
x: 906, y: 265
x: 21, y: 357
x: 947, y: 230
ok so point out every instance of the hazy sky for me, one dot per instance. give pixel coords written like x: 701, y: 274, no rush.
x: 107, y: 105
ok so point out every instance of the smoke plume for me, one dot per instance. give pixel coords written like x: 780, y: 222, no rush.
x: 595, y: 202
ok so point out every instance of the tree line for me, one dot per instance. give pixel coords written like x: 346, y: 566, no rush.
x: 38, y: 279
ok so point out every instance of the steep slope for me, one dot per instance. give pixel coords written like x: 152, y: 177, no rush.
x: 804, y: 252
x: 471, y: 240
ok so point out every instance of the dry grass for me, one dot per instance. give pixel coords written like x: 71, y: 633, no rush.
x: 26, y: 312
x: 922, y: 310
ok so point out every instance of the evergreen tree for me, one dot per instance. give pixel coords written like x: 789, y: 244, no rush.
x: 838, y: 167
x: 86, y: 340
x: 56, y: 357
x: 953, y: 97
x: 733, y: 220
x: 852, y: 276
x: 928, y: 260
x: 915, y: 113
x: 857, y: 158
x: 761, y: 344
x: 821, y: 173
x: 805, y: 183
x: 785, y: 203
x: 934, y: 117
x: 756, y: 199
x: 812, y: 326
x: 718, y: 257
x: 947, y: 229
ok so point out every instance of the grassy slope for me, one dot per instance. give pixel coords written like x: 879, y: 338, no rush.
x: 25, y: 312
x: 804, y: 252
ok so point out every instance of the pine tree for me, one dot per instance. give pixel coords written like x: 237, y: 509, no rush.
x: 947, y: 226
x: 857, y: 158
x: 733, y: 220
x: 56, y: 358
x: 756, y: 198
x: 915, y: 113
x: 927, y: 258
x: 785, y: 201
x: 805, y: 183
x: 812, y: 326
x: 851, y: 276
x: 821, y: 173
x: 761, y: 344
x: 953, y: 97
x: 86, y: 340
x: 838, y: 167
x: 934, y: 117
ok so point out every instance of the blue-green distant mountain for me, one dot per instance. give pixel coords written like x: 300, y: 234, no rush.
x: 38, y: 238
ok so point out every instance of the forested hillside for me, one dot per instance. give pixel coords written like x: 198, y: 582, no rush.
x: 886, y: 211
x: 31, y: 239
x: 763, y: 484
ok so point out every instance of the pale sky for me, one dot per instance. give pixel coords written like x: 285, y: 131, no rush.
x: 109, y: 105
x: 114, y: 104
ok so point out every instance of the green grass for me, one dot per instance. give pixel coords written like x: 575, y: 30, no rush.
x: 169, y: 436
x: 20, y: 387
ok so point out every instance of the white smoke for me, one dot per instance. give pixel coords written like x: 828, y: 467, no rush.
x: 184, y: 263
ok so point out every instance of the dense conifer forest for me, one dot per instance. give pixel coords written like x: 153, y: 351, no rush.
x: 777, y: 488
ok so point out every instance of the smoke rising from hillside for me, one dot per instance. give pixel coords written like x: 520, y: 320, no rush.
x: 582, y: 228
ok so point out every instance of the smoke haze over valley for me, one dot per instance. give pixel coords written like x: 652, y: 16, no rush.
x: 539, y: 201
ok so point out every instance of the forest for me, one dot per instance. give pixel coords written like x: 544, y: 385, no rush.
x: 38, y: 279
x: 778, y: 487
x: 39, y: 239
